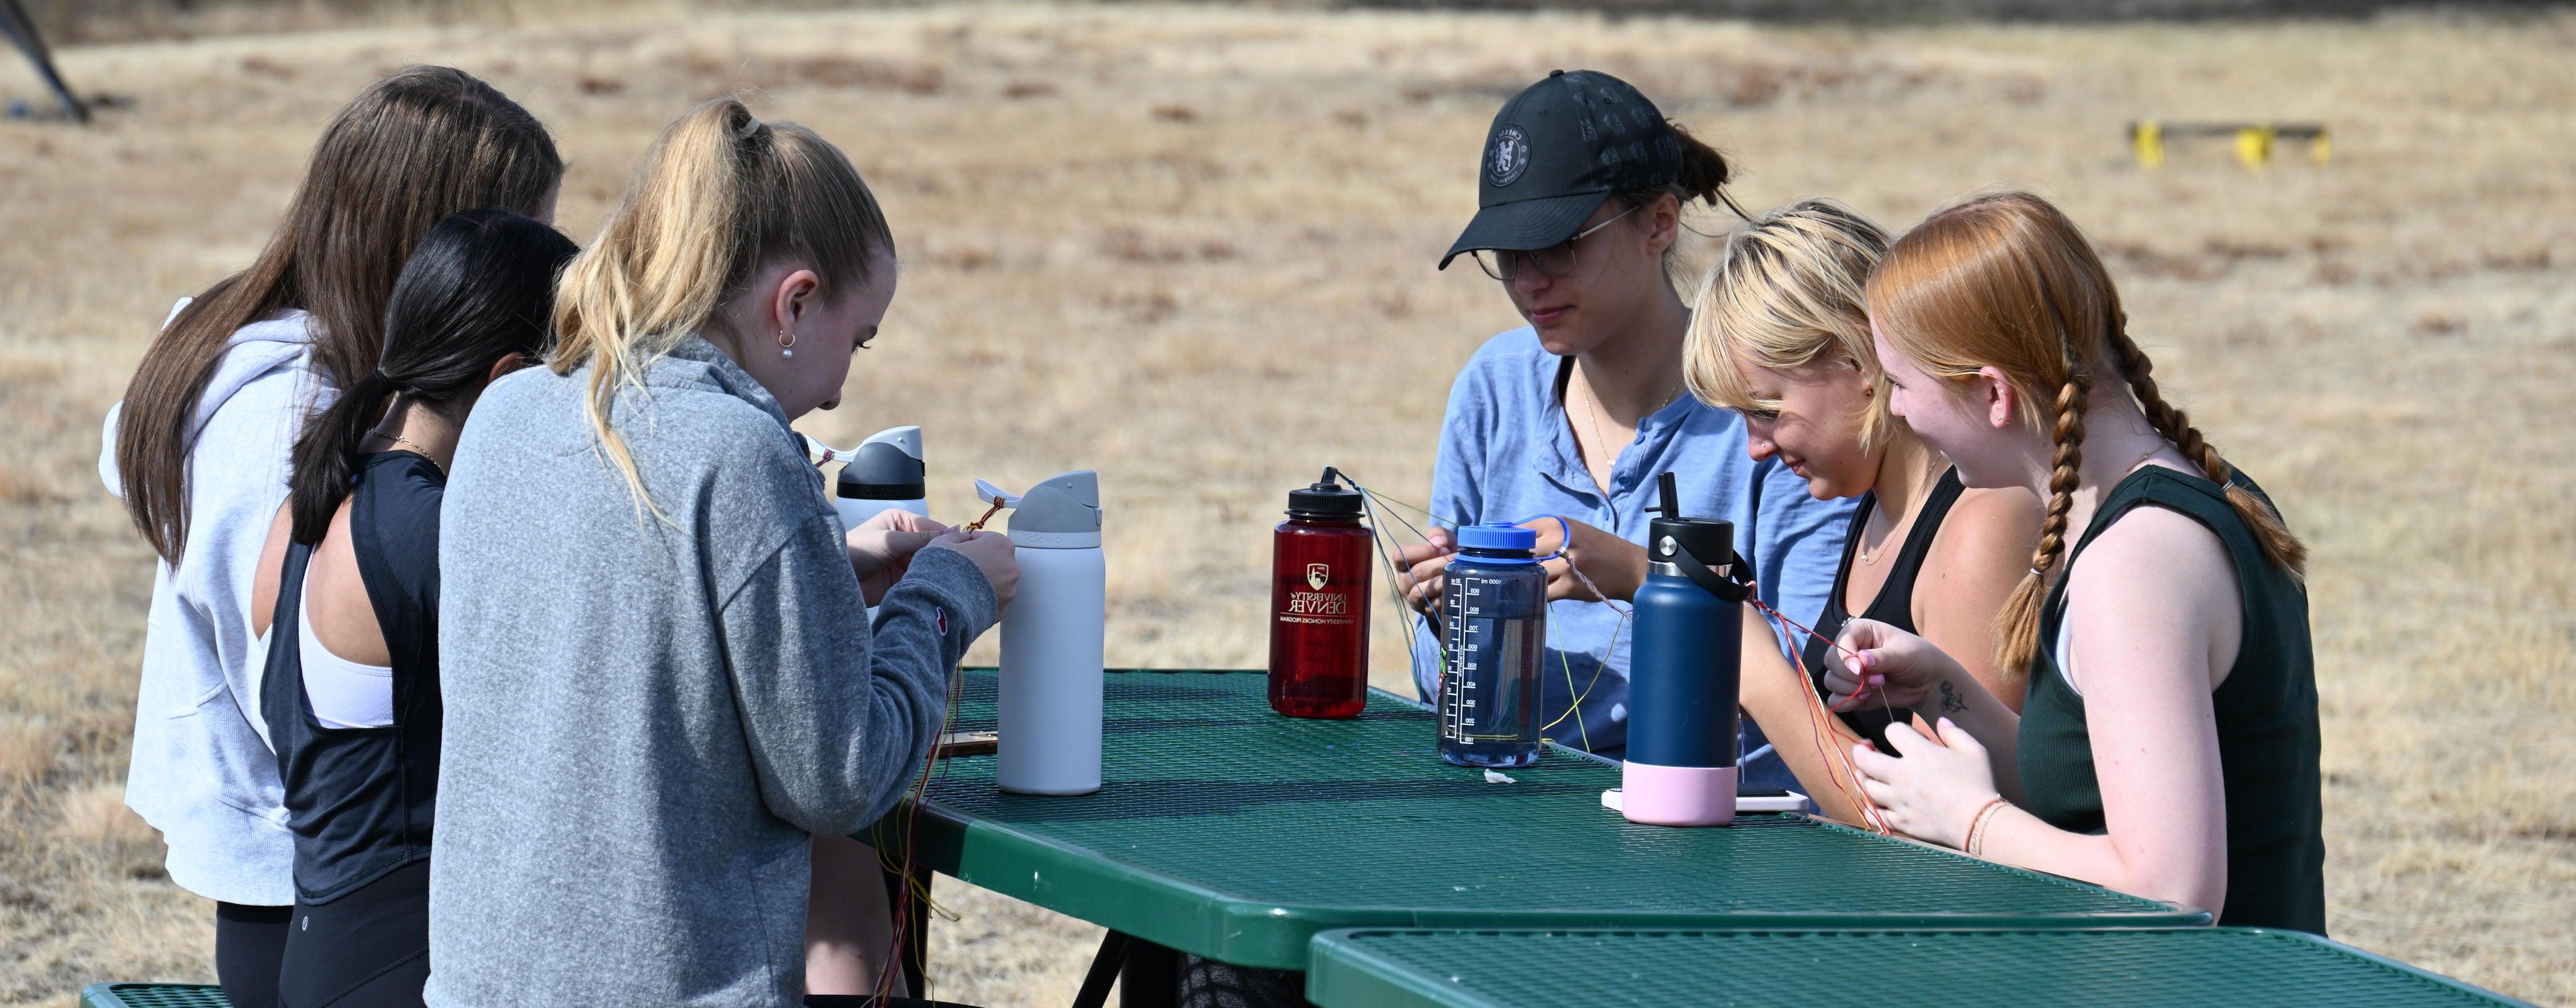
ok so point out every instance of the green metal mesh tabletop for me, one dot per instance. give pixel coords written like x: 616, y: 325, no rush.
x: 1228, y: 831
x: 2194, y: 967
x: 152, y: 995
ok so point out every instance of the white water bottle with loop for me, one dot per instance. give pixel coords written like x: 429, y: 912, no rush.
x: 1053, y: 638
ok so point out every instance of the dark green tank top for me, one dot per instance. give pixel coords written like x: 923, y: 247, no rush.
x: 2266, y: 710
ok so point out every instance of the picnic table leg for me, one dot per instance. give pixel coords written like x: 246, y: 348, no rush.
x: 1104, y: 972
x: 1151, y: 977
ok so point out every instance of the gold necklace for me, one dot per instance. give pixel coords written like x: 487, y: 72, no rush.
x: 1912, y: 512
x: 1592, y: 409
x: 415, y: 447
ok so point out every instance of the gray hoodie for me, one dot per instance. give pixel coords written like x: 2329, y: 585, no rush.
x: 202, y: 772
x: 646, y: 720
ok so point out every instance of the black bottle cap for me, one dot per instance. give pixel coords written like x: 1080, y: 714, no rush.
x: 880, y: 470
x: 1325, y: 499
x: 1712, y: 540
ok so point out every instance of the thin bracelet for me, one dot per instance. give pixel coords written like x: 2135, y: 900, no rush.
x: 1985, y: 820
x: 1976, y: 844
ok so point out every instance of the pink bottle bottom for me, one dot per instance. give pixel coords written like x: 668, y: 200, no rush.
x: 1677, y: 796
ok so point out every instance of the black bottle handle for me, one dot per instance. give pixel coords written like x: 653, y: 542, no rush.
x: 1733, y: 587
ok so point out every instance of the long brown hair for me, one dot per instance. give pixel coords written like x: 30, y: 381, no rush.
x: 410, y: 149
x: 2007, y: 281
x: 720, y: 195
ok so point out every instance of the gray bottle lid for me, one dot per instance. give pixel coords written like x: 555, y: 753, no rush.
x: 886, y: 466
x: 1063, y: 504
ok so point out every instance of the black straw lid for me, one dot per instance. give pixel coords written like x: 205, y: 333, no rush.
x: 1326, y: 498
x: 1669, y: 535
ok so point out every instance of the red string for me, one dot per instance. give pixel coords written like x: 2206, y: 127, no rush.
x: 1820, y: 716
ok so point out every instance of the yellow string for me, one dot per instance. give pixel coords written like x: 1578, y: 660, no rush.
x: 1564, y: 663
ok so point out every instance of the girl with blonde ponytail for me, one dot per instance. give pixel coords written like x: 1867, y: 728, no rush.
x: 661, y: 681
x: 2167, y: 742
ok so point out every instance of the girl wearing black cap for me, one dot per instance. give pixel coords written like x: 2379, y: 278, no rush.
x: 1581, y: 192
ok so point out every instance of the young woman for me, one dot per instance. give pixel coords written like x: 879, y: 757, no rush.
x: 348, y: 597
x: 1581, y: 196
x: 2178, y: 615
x: 227, y: 384
x: 660, y: 677
x: 1780, y: 335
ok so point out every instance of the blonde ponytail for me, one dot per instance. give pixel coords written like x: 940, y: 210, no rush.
x: 718, y: 196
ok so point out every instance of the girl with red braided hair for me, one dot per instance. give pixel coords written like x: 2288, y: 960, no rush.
x: 2167, y: 741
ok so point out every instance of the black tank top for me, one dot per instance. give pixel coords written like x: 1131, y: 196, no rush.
x: 2266, y: 712
x: 359, y: 800
x: 1894, y: 603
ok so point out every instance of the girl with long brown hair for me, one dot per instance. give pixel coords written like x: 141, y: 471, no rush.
x: 2167, y: 741
x: 198, y: 450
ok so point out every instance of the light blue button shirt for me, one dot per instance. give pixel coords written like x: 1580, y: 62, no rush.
x: 1507, y: 455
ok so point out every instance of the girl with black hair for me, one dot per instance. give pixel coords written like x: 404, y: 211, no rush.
x: 347, y: 604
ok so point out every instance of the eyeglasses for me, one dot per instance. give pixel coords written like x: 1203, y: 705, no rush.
x: 1554, y: 261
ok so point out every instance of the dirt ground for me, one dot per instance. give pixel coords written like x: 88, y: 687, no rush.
x: 1191, y: 248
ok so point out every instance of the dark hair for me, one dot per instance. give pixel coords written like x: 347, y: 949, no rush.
x: 1703, y: 177
x: 479, y: 288
x: 412, y: 148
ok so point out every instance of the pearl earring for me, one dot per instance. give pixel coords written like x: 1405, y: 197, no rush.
x: 786, y: 344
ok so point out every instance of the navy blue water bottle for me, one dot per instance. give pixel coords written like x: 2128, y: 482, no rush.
x: 1493, y: 631
x: 1682, y: 673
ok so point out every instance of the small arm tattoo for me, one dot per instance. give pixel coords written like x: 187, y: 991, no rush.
x: 1951, y: 701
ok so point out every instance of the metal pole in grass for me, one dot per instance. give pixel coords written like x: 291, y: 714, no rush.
x: 21, y: 29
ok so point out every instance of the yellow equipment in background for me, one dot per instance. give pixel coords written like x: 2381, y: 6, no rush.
x: 2253, y: 141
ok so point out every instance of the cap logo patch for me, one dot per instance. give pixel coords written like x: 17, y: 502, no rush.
x: 1509, y: 156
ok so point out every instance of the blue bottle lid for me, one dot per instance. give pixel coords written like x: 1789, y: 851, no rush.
x: 1498, y: 536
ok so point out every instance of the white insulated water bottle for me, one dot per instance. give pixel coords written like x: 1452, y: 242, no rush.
x: 1053, y: 639
x: 883, y: 474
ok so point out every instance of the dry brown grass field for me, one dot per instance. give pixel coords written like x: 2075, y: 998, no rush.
x: 1192, y: 248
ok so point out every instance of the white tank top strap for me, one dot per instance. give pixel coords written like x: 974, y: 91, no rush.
x: 343, y: 693
x: 2064, y: 647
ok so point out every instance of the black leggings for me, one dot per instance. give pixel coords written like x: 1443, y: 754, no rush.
x: 249, y: 940
x: 366, y: 948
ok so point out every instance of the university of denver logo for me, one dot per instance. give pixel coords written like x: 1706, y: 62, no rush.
x: 1510, y: 156
x: 1316, y: 575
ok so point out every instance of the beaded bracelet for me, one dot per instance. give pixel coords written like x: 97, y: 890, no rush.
x: 1976, y: 844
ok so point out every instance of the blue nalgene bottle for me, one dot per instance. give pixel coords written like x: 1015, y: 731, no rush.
x: 1493, y: 630
x: 1682, y: 674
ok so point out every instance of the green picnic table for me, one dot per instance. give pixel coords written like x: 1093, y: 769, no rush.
x: 1862, y: 968
x: 1227, y: 831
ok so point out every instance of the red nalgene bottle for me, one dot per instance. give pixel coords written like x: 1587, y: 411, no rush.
x: 1319, y: 595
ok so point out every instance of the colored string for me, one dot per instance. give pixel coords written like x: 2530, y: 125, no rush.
x: 913, y: 887
x: 1564, y: 662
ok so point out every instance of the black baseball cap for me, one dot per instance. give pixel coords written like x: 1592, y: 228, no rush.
x: 1559, y: 148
